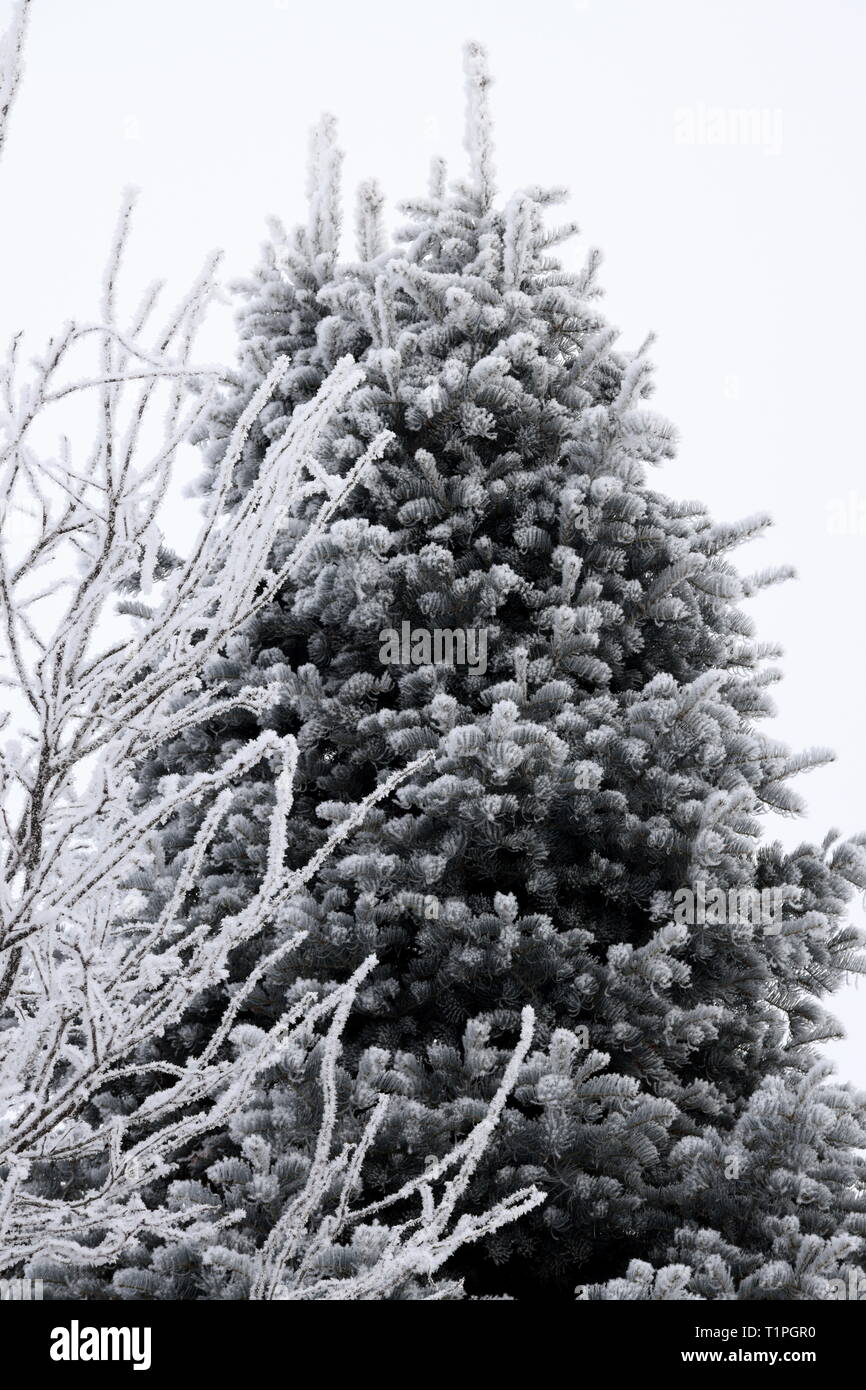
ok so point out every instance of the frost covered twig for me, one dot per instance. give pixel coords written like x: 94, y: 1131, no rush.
x: 302, y: 1240
x: 11, y: 55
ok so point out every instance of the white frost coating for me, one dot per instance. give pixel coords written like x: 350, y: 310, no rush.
x: 479, y: 126
x: 369, y: 226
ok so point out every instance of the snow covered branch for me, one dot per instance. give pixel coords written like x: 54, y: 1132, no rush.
x: 301, y: 1245
x: 11, y: 58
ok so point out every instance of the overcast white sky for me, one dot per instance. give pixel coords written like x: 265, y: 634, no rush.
x: 740, y: 243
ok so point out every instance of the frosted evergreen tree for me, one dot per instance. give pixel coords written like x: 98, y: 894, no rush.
x: 606, y: 754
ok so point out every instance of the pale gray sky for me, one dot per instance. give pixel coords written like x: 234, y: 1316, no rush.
x: 713, y: 149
